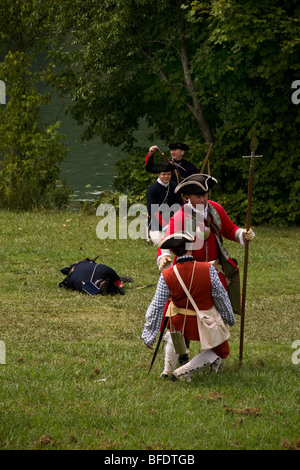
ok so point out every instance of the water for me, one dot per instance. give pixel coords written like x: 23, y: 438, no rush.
x: 90, y: 166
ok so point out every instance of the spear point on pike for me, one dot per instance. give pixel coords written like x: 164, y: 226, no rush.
x: 253, y: 147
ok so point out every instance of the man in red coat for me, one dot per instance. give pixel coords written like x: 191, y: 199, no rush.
x: 208, y: 222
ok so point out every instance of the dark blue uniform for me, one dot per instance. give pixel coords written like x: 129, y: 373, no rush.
x: 184, y: 167
x: 159, y: 194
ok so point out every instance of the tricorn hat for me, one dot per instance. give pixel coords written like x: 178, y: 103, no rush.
x: 178, y: 145
x: 108, y: 287
x: 162, y: 167
x: 196, y: 184
x: 176, y: 240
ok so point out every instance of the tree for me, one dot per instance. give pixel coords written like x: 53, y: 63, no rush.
x: 30, y: 150
x: 254, y: 59
x: 209, y: 71
x: 130, y: 59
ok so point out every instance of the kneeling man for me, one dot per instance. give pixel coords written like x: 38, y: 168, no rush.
x: 195, y: 296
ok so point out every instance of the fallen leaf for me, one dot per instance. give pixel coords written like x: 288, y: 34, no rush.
x: 244, y: 411
x: 289, y: 446
x: 215, y: 395
x: 44, y: 441
x: 200, y: 396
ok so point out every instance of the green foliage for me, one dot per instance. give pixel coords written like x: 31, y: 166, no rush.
x: 233, y: 61
x: 252, y: 53
x: 30, y: 151
x: 275, y: 198
x: 116, y: 74
x: 132, y: 176
x: 194, y: 71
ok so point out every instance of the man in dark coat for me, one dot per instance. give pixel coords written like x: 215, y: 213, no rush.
x: 177, y: 150
x: 162, y: 202
x: 92, y: 278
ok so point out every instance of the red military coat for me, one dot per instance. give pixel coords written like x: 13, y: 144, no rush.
x: 212, y: 247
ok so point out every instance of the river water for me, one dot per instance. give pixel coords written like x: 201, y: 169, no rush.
x: 90, y: 166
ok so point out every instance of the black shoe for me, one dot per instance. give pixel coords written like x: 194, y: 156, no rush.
x: 173, y: 378
x: 183, y: 359
x: 125, y: 279
x: 164, y: 376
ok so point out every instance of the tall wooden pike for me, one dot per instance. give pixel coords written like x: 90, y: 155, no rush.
x: 165, y: 321
x: 206, y: 160
x: 253, y: 147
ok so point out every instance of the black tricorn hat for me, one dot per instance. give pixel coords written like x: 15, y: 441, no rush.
x: 176, y: 240
x: 110, y: 288
x: 196, y: 184
x: 178, y: 145
x: 162, y: 167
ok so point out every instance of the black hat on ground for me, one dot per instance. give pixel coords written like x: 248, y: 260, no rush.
x: 176, y: 240
x: 108, y: 287
x: 162, y: 167
x: 196, y: 184
x: 178, y: 145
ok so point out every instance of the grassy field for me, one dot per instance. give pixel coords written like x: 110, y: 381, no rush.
x: 76, y: 370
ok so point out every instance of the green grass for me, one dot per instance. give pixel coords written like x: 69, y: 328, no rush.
x: 76, y: 372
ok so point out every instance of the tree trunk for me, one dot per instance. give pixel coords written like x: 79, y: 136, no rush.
x: 195, y: 108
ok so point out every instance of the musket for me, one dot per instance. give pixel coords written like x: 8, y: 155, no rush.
x: 207, y: 157
x: 178, y: 176
x: 253, y: 147
x: 159, y: 341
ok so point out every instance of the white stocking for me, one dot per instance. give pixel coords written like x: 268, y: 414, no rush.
x: 171, y: 357
x: 204, y: 359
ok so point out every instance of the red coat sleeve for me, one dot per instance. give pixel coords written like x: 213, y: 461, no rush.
x: 149, y: 163
x: 228, y: 228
